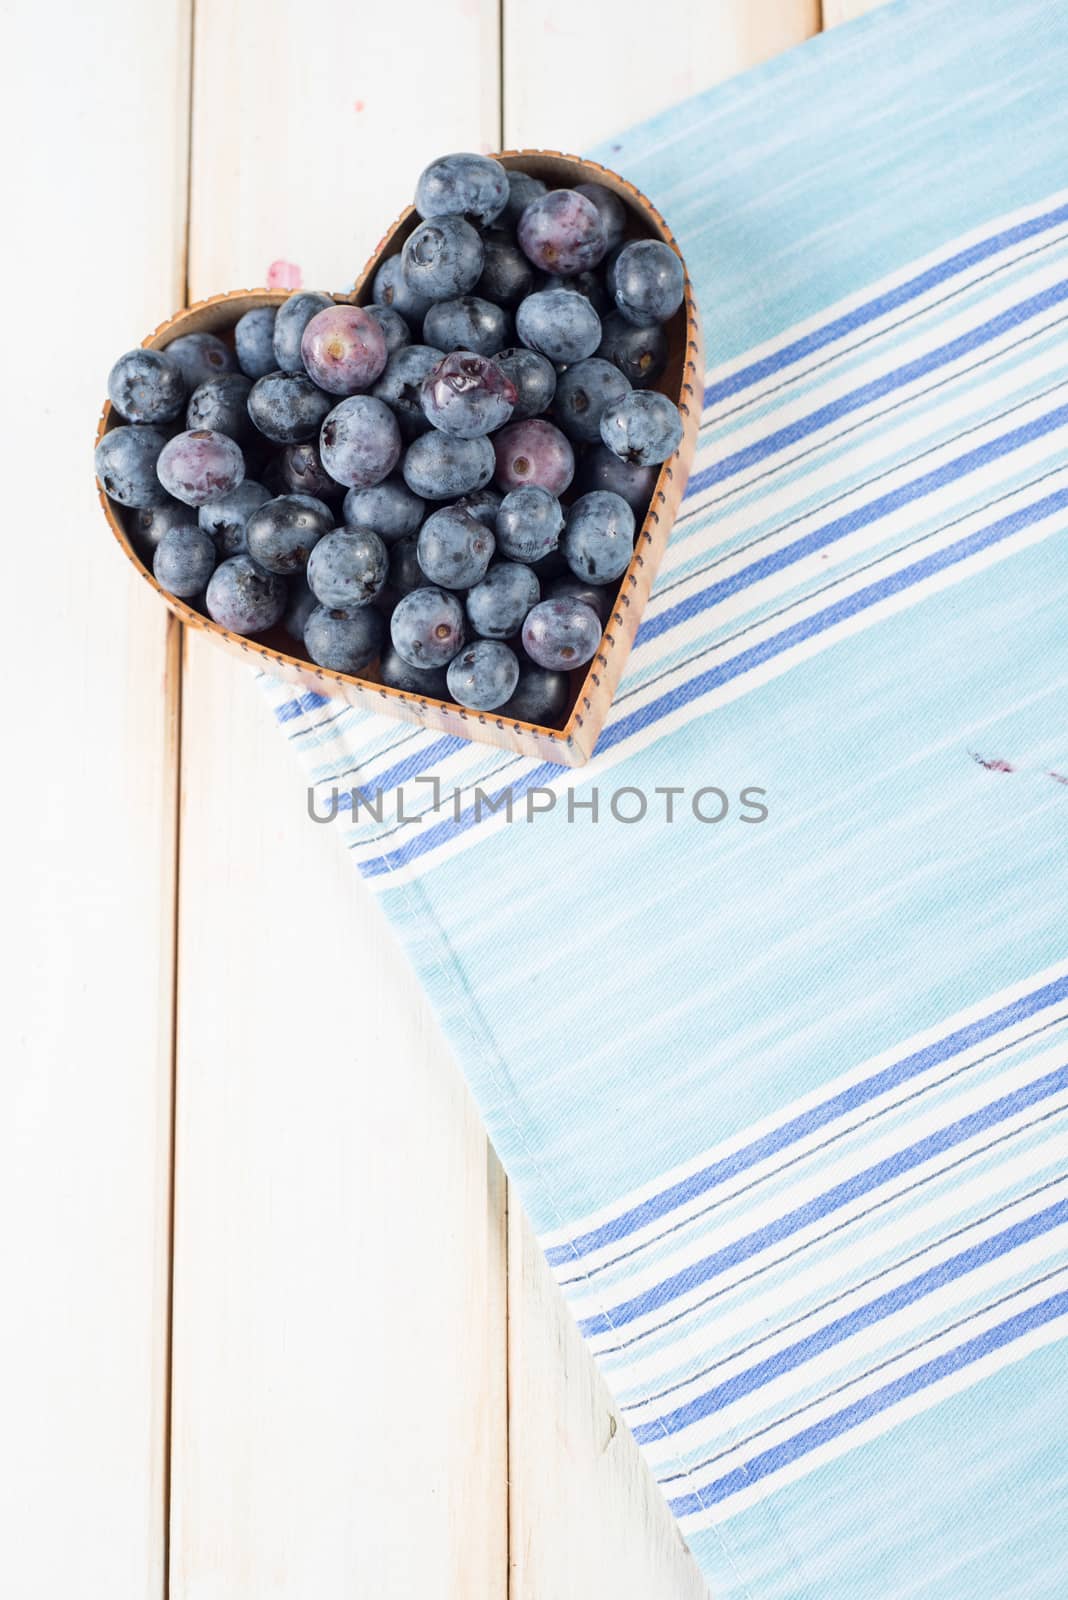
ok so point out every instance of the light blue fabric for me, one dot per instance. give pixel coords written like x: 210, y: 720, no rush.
x: 787, y: 1099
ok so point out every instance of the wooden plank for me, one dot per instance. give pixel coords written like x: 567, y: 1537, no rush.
x: 836, y: 11
x: 97, y: 177
x: 574, y: 73
x: 339, y: 1379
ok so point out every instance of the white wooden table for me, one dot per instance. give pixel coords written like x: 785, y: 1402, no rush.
x: 271, y: 1327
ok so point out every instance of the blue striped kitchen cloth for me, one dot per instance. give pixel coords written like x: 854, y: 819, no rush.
x: 783, y: 1080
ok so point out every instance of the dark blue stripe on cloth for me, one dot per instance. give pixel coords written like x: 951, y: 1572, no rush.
x: 297, y: 708
x: 884, y: 1305
x: 878, y: 307
x: 840, y: 1422
x: 822, y: 1205
x: 414, y: 766
x: 793, y: 432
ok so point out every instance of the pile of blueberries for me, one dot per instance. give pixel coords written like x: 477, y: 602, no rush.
x: 333, y: 474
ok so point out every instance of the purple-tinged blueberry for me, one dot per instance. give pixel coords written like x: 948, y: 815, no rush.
x: 529, y: 523
x: 468, y: 323
x: 287, y: 407
x: 497, y: 606
x: 221, y: 405
x: 455, y: 549
x: 281, y: 534
x: 395, y: 331
x: 539, y: 697
x: 291, y: 319
x: 561, y: 634
x: 396, y: 673
x: 360, y: 442
x: 647, y: 282
x: 562, y: 233
x: 389, y: 509
x: 427, y: 627
x: 200, y: 466
x: 343, y: 641
x: 523, y: 189
x: 582, y: 393
x: 601, y: 469
x: 243, y: 598
x: 533, y: 452
x: 125, y: 463
x: 507, y: 275
x: 227, y: 519
x: 254, y: 342
x: 200, y: 356
x: 184, y: 561
x: 302, y: 472
x: 463, y: 185
x: 442, y: 259
x: 598, y: 541
x: 390, y: 288
x: 147, y: 386
x: 440, y: 467
x: 639, y: 353
x: 612, y: 211
x: 534, y: 378
x: 343, y: 349
x: 559, y: 324
x: 401, y: 386
x: 483, y: 675
x: 348, y: 568
x: 643, y: 428
x: 467, y: 395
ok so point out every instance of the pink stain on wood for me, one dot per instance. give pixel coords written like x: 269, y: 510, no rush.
x: 284, y: 275
x: 358, y: 105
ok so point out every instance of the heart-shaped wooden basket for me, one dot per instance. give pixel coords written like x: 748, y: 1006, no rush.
x: 572, y: 743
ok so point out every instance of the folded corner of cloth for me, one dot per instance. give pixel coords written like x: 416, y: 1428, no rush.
x: 766, y: 1008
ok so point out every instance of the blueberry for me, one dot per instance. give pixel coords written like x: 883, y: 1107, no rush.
x: 149, y: 524
x: 483, y: 504
x: 287, y: 407
x: 639, y: 353
x: 582, y: 393
x: 467, y: 395
x: 522, y: 189
x: 539, y: 696
x: 598, y: 597
x: 389, y: 508
x: 484, y: 675
x: 599, y: 539
x: 427, y: 628
x: 343, y: 349
x: 221, y: 404
x: 507, y: 275
x: 302, y: 472
x: 462, y: 185
x: 396, y: 673
x: 497, y: 606
x: 343, y: 642
x: 200, y: 356
x: 533, y: 452
x: 401, y: 387
x: 647, y: 282
x: 588, y: 284
x: 360, y: 441
x: 292, y: 318
x: 254, y: 342
x: 395, y: 330
x: 612, y: 211
x: 299, y: 606
x: 439, y: 467
x: 467, y: 323
x: 643, y: 428
x: 455, y: 549
x: 348, y: 568
x: 125, y: 463
x: 534, y: 379
x: 602, y: 470
x: 227, y: 519
x: 529, y: 523
x: 442, y: 259
x: 405, y: 573
x: 184, y: 561
x: 390, y: 289
x: 282, y: 533
x: 559, y: 324
x: 243, y: 598
x: 561, y: 634
x: 146, y: 386
x: 561, y: 232
x: 200, y: 466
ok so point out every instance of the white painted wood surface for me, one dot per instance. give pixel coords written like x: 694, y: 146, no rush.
x: 376, y: 1388
x: 836, y: 11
